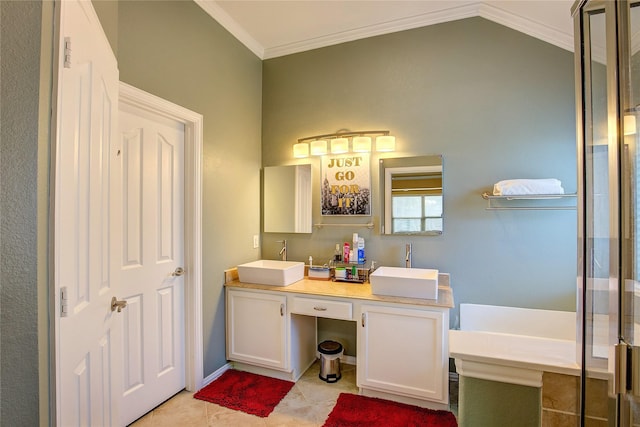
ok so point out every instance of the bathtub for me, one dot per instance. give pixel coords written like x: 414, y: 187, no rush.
x: 520, y: 367
x: 514, y: 345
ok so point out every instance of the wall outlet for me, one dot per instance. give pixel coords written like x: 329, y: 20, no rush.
x: 256, y: 241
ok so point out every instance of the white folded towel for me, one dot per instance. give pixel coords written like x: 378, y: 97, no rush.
x: 520, y: 187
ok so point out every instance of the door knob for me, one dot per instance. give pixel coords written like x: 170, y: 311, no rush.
x: 116, y: 304
x: 179, y: 271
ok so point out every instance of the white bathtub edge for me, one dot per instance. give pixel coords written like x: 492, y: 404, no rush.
x: 510, y: 358
x: 500, y: 373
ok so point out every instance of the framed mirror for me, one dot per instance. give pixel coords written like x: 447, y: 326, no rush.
x: 411, y: 193
x: 286, y: 202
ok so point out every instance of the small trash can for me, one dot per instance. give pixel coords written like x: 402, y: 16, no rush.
x: 330, y: 353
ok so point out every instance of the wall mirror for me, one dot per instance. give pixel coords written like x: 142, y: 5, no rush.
x: 411, y: 193
x: 286, y: 202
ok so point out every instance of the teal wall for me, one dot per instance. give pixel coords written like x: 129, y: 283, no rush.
x: 497, y: 104
x: 174, y: 50
x: 26, y: 37
x: 107, y: 12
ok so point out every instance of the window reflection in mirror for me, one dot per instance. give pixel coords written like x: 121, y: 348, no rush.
x: 411, y: 189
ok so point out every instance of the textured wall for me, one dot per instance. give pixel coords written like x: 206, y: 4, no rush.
x: 173, y: 49
x: 497, y: 104
x: 107, y: 12
x: 20, y: 25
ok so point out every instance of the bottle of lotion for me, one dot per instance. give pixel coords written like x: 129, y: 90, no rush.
x: 345, y: 252
x: 361, y: 257
x: 353, y: 254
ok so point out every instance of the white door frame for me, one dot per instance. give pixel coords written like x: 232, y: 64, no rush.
x: 192, y: 121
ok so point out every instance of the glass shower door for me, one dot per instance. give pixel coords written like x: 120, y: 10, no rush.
x: 597, y: 305
x: 608, y: 65
x: 629, y: 48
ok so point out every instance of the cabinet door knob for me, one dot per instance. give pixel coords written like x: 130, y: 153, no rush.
x: 281, y: 309
x: 320, y: 308
x: 363, y: 320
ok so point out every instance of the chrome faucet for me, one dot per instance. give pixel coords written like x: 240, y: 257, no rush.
x: 283, y: 251
x: 407, y: 259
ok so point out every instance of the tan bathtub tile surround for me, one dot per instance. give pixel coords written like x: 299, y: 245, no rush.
x: 561, y: 401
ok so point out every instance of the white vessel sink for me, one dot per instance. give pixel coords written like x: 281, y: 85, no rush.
x: 270, y: 272
x: 405, y: 282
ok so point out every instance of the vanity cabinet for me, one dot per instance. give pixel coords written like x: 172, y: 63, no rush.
x: 402, y: 343
x: 404, y: 351
x: 256, y: 328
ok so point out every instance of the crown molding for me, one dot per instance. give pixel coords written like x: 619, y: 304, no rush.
x: 527, y: 26
x: 482, y: 9
x: 223, y: 18
x: 461, y: 12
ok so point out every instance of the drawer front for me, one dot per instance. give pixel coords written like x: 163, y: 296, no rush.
x: 322, y: 308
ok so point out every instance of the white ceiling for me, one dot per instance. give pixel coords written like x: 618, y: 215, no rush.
x: 272, y: 28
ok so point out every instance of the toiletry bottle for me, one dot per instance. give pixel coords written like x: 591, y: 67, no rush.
x: 338, y: 255
x: 361, y: 257
x: 345, y: 253
x: 353, y: 254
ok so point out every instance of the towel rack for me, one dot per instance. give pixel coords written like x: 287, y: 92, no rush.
x: 368, y: 225
x: 550, y: 198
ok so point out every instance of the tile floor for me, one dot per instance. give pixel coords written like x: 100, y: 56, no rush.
x: 307, y: 404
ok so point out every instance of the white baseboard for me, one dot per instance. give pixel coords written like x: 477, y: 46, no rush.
x: 347, y: 360
x: 216, y: 374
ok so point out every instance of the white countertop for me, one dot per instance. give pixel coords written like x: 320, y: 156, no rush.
x: 361, y: 291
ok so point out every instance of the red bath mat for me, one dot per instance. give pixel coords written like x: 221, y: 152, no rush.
x: 246, y: 392
x: 353, y: 411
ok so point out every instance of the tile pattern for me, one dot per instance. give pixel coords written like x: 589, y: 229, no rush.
x: 308, y: 404
x: 561, y: 401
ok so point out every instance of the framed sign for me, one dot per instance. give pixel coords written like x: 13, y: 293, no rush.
x: 346, y: 185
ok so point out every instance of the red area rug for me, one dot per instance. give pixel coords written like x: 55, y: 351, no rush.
x: 246, y: 392
x: 353, y: 411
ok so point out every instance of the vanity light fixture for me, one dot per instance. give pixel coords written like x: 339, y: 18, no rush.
x: 360, y: 142
x: 629, y: 121
x: 319, y: 147
x: 386, y: 143
x: 301, y: 150
x: 629, y: 124
x: 339, y: 145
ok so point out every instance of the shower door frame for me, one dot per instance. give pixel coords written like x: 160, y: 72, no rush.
x: 623, y: 356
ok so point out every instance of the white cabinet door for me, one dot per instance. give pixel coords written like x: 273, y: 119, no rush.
x: 256, y: 328
x: 402, y: 351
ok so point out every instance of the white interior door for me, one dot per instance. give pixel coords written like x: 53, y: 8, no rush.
x: 152, y: 200
x: 88, y: 332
